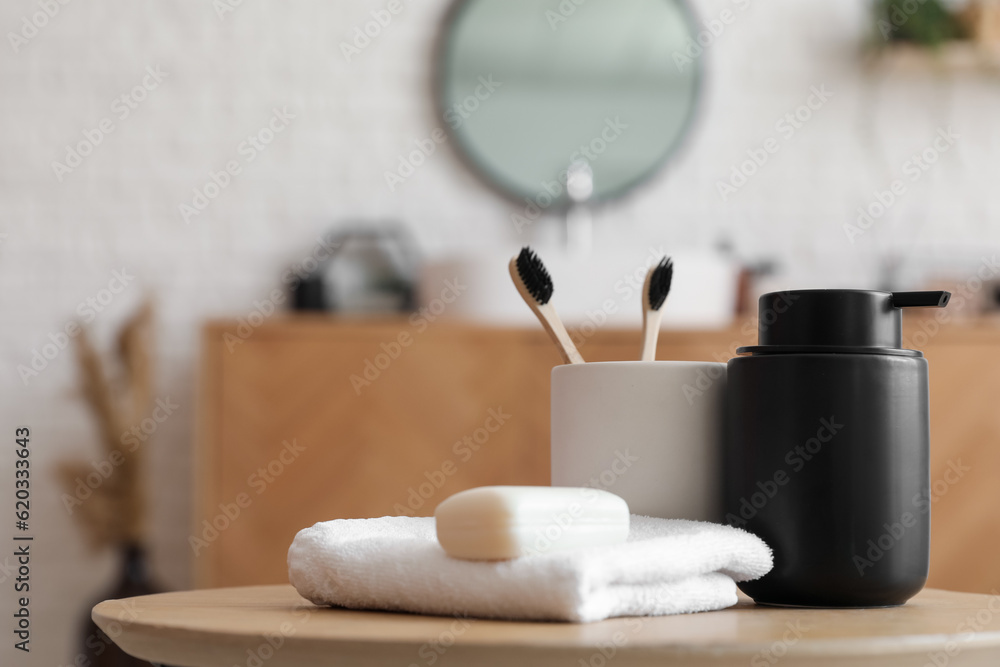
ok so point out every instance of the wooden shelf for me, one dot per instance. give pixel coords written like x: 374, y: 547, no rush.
x: 962, y: 57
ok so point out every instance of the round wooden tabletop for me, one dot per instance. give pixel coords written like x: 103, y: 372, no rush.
x: 272, y: 626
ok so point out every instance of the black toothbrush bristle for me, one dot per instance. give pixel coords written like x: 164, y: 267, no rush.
x: 534, y: 276
x: 659, y: 284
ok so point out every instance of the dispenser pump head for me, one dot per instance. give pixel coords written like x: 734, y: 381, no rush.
x: 838, y: 317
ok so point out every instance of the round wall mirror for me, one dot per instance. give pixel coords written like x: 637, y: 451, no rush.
x: 594, y: 93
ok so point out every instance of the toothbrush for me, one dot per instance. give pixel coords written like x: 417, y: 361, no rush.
x: 654, y: 293
x: 535, y: 286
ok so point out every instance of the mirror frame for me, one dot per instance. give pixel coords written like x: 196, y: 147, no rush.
x: 459, y: 147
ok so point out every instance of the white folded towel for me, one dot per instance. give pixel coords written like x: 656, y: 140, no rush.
x: 667, y: 566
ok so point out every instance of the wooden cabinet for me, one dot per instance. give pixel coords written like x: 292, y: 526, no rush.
x: 309, y: 419
x: 965, y: 459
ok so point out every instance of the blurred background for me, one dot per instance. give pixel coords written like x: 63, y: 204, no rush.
x: 284, y: 229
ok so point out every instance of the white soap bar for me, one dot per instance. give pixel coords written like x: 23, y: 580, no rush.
x: 503, y: 522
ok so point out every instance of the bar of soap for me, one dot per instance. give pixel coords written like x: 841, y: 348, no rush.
x: 504, y: 522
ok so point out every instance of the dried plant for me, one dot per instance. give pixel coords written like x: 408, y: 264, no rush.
x: 115, y: 511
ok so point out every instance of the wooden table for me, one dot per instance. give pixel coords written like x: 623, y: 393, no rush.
x: 272, y: 626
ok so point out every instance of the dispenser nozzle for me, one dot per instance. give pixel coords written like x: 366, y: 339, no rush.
x: 920, y: 299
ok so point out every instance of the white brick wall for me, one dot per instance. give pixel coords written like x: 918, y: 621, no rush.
x: 119, y: 209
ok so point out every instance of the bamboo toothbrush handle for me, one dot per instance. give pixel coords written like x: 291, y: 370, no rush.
x: 546, y: 314
x: 651, y: 331
x: 552, y: 324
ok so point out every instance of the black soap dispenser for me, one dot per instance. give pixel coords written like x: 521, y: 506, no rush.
x: 827, y: 448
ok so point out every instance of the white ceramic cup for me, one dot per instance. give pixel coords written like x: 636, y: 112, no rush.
x: 648, y: 431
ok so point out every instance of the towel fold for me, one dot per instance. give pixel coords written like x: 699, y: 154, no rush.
x: 667, y: 566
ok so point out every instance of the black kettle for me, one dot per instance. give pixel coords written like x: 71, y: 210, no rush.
x: 827, y: 448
